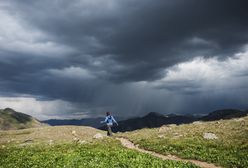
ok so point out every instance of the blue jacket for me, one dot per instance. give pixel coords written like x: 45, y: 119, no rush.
x: 109, y: 120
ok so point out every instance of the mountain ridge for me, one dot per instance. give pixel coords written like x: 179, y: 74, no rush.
x: 11, y: 120
x: 154, y: 119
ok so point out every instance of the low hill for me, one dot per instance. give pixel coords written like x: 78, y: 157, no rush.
x: 10, y: 119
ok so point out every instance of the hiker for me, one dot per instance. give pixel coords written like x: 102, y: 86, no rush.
x: 109, y: 121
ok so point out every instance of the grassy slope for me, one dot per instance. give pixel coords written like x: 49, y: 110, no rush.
x: 65, y: 152
x: 11, y: 120
x: 229, y: 150
x: 56, y: 134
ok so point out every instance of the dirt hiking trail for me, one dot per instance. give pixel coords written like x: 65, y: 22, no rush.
x: 128, y: 144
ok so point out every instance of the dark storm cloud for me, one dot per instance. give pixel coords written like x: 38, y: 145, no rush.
x: 111, y: 43
x: 139, y: 33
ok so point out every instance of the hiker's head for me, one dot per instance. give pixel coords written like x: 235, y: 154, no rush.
x: 107, y: 113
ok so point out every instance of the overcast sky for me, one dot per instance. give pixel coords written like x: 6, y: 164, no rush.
x: 80, y: 58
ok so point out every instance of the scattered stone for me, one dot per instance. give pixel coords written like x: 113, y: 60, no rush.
x: 28, y: 141
x: 164, y: 129
x: 172, y: 125
x: 197, y: 122
x: 161, y: 136
x: 25, y: 144
x: 3, y: 146
x: 50, y: 142
x: 76, y: 139
x: 177, y: 136
x: 239, y: 119
x: 209, y: 136
x: 82, y: 142
x: 98, y: 136
x: 73, y: 132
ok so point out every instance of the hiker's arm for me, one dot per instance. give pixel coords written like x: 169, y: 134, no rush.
x: 114, y: 120
x: 105, y: 120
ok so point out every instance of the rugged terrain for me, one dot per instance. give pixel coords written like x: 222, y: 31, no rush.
x: 223, y: 142
x: 72, y: 146
x: 207, y: 144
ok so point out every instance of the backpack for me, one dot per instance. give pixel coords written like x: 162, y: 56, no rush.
x: 109, y: 120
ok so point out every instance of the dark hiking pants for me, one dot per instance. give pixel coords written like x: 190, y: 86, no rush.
x: 110, y: 133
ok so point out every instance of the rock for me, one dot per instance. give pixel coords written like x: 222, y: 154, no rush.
x: 160, y: 136
x: 98, y: 136
x: 28, y: 141
x: 197, y: 122
x: 209, y: 136
x: 172, y: 125
x: 82, y: 142
x: 74, y: 133
x: 239, y: 119
x: 50, y: 142
x: 164, y: 129
x: 76, y: 139
x: 177, y: 136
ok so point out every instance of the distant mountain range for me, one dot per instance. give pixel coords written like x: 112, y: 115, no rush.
x: 150, y: 120
x: 92, y: 122
x: 153, y: 119
x: 10, y: 120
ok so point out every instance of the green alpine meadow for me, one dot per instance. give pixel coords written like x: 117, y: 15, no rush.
x: 79, y: 146
x: 101, y: 154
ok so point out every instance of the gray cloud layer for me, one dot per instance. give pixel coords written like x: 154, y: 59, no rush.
x: 93, y: 52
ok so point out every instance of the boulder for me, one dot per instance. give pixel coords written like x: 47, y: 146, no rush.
x: 209, y: 136
x: 50, y: 142
x: 161, y: 136
x: 98, y: 136
x: 164, y: 129
x: 82, y: 142
x: 197, y: 122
